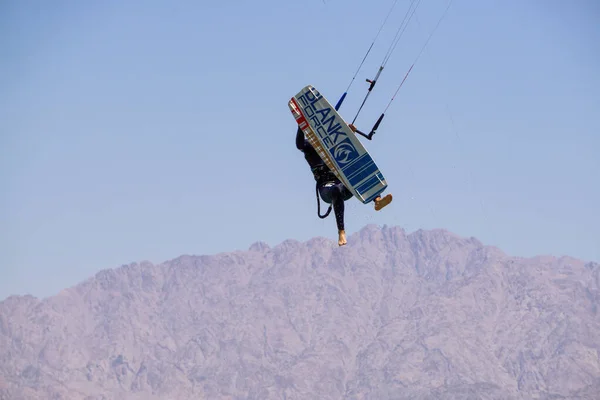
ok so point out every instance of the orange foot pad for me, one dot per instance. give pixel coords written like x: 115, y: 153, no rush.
x: 383, y: 202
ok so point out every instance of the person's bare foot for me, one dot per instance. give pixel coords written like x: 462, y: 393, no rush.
x: 342, y: 238
x: 380, y: 203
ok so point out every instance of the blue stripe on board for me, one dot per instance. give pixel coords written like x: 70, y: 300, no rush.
x: 377, y: 192
x: 369, y: 184
x: 367, y: 169
x: 354, y: 165
x: 357, y: 166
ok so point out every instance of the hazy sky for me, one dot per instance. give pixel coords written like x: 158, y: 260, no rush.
x: 143, y: 130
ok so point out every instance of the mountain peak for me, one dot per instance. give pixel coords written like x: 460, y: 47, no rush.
x: 259, y: 246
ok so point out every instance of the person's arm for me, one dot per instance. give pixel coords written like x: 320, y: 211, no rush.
x: 300, y: 139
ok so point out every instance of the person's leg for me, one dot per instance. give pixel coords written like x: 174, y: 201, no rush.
x: 336, y: 195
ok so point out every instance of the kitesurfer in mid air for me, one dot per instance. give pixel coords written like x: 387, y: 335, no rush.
x: 331, y: 189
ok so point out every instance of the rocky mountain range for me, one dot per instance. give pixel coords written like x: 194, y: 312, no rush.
x: 425, y: 315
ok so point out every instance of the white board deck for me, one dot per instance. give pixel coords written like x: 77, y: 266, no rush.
x: 336, y: 144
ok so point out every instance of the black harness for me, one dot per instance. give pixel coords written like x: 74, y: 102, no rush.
x: 323, y: 175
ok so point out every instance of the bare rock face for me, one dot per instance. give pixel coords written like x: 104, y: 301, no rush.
x: 389, y: 316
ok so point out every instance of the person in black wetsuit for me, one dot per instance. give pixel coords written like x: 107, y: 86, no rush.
x: 330, y: 188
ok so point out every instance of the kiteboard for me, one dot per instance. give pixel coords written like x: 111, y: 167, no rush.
x: 337, y: 144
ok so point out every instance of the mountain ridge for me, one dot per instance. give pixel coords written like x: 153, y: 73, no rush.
x: 423, y: 315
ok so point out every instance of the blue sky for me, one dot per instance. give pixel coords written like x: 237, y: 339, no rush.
x: 144, y: 130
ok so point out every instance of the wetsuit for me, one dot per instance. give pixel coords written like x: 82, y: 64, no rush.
x: 330, y: 188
